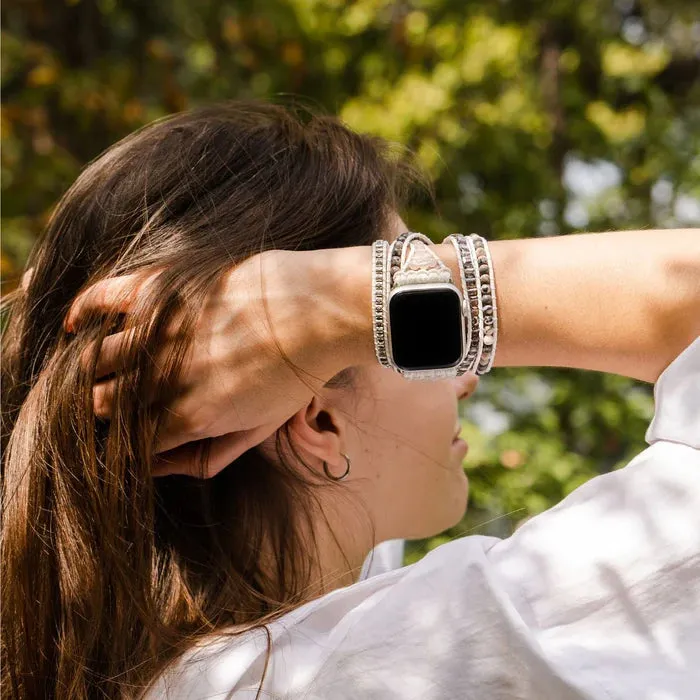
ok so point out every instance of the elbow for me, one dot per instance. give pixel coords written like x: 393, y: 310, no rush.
x: 677, y: 309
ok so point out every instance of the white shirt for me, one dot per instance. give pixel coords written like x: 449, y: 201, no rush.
x: 596, y: 598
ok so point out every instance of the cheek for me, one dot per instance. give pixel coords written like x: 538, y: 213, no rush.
x: 414, y: 420
x: 415, y: 486
x: 428, y: 410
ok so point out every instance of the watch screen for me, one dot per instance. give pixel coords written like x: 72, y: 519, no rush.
x: 426, y: 327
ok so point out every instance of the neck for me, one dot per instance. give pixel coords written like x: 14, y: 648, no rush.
x: 343, y: 535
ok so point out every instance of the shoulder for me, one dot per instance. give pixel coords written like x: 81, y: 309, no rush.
x: 390, y: 636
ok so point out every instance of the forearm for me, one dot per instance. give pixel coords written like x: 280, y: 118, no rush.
x: 625, y: 302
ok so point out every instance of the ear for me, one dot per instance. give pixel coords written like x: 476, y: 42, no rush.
x: 320, y: 430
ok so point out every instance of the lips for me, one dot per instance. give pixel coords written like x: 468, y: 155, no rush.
x: 458, y: 430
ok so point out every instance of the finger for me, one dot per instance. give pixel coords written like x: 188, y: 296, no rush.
x: 103, y: 398
x: 111, y: 358
x: 103, y: 393
x: 173, y: 437
x: 113, y: 294
x: 225, y: 449
x: 27, y: 278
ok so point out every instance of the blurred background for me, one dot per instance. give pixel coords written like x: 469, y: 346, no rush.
x: 532, y: 119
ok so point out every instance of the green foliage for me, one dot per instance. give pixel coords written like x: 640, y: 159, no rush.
x: 532, y: 118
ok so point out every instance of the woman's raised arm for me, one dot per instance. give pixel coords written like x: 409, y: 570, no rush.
x: 626, y: 302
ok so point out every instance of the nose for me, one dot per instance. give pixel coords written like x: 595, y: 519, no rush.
x: 466, y: 385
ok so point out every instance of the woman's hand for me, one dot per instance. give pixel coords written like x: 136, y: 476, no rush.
x: 312, y: 308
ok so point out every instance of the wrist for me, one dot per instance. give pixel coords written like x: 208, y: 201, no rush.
x: 343, y: 277
x: 342, y: 281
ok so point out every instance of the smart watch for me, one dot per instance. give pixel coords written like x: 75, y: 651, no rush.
x: 425, y: 313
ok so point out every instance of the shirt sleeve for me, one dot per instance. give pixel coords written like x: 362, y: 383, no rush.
x: 608, y: 581
x: 677, y: 401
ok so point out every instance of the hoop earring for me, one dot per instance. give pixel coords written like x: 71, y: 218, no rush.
x: 343, y: 475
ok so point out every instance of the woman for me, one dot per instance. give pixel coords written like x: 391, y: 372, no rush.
x: 224, y: 263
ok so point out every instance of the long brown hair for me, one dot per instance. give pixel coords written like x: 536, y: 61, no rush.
x: 107, y: 573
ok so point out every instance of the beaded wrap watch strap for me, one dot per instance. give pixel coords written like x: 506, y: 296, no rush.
x: 487, y: 282
x: 480, y: 291
x: 467, y: 253
x: 419, y: 266
x: 386, y: 261
x: 397, y: 251
x: 412, y: 262
x: 404, y: 263
x: 380, y: 295
x: 470, y: 330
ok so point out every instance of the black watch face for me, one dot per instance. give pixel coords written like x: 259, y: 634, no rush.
x: 426, y: 327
